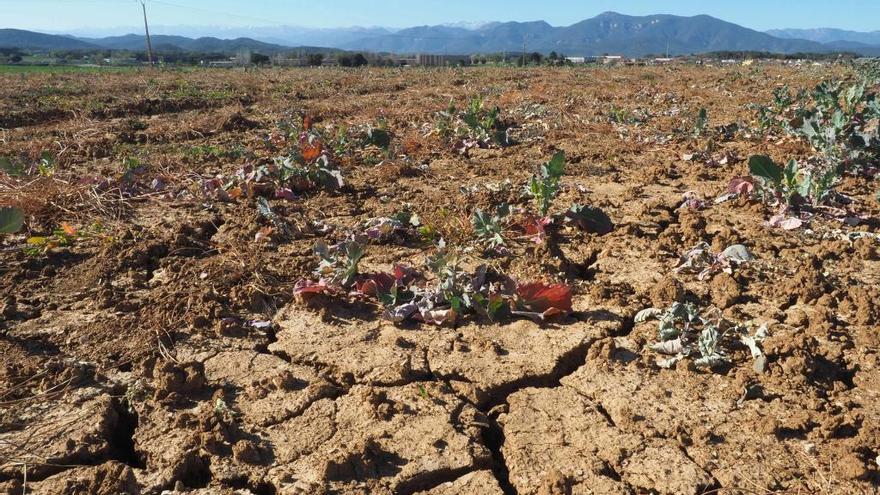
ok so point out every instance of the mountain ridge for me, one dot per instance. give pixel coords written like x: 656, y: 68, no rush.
x: 606, y: 33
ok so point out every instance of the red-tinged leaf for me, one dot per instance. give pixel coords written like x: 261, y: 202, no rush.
x: 306, y: 290
x: 307, y: 123
x: 263, y: 234
x: 68, y: 229
x: 376, y: 283
x: 311, y: 148
x: 285, y: 193
x: 546, y: 299
x: 535, y: 227
x: 741, y: 185
x: 404, y: 274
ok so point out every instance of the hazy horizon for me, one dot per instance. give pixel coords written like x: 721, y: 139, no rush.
x: 202, y: 17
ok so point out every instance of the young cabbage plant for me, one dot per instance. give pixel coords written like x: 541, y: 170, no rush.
x: 338, y: 265
x: 701, y: 122
x: 490, y: 228
x: 793, y: 185
x: 544, y: 186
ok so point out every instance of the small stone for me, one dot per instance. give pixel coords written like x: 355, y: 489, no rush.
x: 760, y: 364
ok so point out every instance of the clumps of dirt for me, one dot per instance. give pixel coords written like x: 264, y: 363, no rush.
x: 238, y: 122
x: 692, y: 225
x: 725, y: 291
x: 866, y: 249
x: 862, y: 305
x: 666, y: 291
x: 109, y: 478
x: 174, y: 382
x: 807, y: 284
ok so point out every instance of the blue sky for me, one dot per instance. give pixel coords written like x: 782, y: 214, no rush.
x: 60, y: 15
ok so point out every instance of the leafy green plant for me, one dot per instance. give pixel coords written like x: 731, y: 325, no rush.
x: 475, y: 127
x: 793, y: 185
x: 65, y: 235
x: 338, y: 264
x: 442, y: 296
x: 46, y: 165
x: 308, y: 166
x: 701, y: 122
x: 489, y: 228
x: 544, y: 186
x: 839, y: 125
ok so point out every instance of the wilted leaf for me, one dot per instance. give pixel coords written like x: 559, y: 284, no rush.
x: 263, y: 234
x: 741, y: 185
x: 670, y: 347
x: 311, y: 149
x: 785, y: 223
x: 646, y: 314
x: 535, y: 227
x: 11, y: 219
x: 738, y: 254
x: 285, y: 193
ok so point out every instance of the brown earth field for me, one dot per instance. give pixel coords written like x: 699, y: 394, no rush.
x: 156, y: 345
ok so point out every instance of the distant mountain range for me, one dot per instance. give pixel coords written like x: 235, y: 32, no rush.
x: 607, y: 33
x: 28, y: 40
x: 828, y: 35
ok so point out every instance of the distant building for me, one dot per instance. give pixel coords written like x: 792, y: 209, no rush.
x: 221, y: 64
x: 576, y: 60
x: 426, y: 60
x: 243, y: 58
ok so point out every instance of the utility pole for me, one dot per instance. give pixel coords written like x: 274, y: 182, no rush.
x: 147, y: 30
x: 524, y: 51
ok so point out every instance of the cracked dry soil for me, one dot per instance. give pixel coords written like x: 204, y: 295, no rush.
x: 122, y: 373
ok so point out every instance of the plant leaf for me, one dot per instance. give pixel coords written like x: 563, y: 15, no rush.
x: 741, y: 185
x: 646, y: 314
x: 738, y: 254
x: 11, y: 219
x: 762, y: 166
x: 543, y: 298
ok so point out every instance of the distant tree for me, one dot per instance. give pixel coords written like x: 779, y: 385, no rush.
x: 344, y: 60
x: 260, y: 59
x: 535, y: 58
x: 316, y: 59
x: 15, y: 59
x: 553, y: 56
x: 359, y: 60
